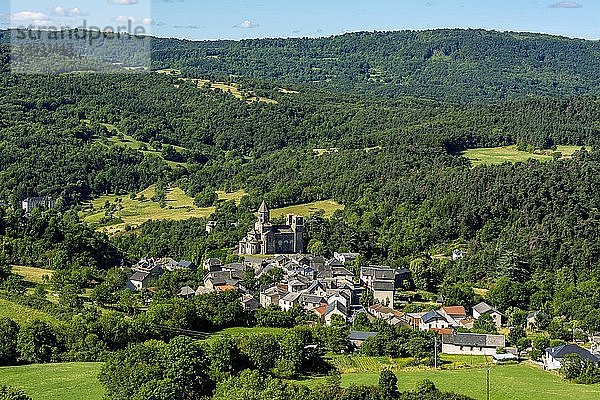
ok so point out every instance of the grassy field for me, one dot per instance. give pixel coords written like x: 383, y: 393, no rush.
x: 71, y: 381
x: 248, y: 331
x: 134, y: 212
x: 132, y: 143
x: 23, y: 315
x: 329, y: 206
x: 356, y: 363
x: 508, y: 382
x: 180, y: 206
x: 232, y: 88
x: 500, y: 155
x: 30, y: 274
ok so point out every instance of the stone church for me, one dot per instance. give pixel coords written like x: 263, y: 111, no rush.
x: 266, y: 238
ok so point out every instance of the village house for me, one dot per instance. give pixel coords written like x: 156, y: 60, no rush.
x: 368, y: 275
x: 345, y: 257
x: 357, y: 338
x: 152, y: 266
x: 249, y: 302
x: 212, y: 265
x: 140, y: 280
x: 31, y: 203
x: 414, y: 319
x: 433, y: 320
x: 184, y: 264
x: 310, y: 301
x: 472, y: 344
x: 383, y: 292
x: 186, y: 292
x: 272, y: 295
x: 454, y: 314
x: 210, y: 226
x: 335, y: 308
x: 289, y: 300
x: 484, y: 308
x: 457, y: 254
x: 552, y: 358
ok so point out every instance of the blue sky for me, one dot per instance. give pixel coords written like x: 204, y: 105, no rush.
x: 237, y: 19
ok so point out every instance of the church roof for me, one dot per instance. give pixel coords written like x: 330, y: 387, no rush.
x: 263, y: 207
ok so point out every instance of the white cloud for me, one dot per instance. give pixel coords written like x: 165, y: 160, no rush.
x: 35, y: 18
x: 147, y: 21
x: 124, y: 2
x: 66, y: 12
x: 247, y: 24
x: 566, y: 4
x: 123, y: 19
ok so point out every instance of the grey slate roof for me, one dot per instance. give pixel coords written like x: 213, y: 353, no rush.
x: 359, y: 335
x: 291, y: 297
x: 336, y: 305
x: 311, y: 298
x: 386, y: 286
x: 474, y: 340
x: 187, y: 291
x: 432, y: 316
x: 566, y: 349
x: 185, y: 264
x: 484, y: 308
x: 139, y: 276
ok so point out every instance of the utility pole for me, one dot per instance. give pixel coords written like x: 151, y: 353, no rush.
x: 487, y: 385
x: 435, y: 352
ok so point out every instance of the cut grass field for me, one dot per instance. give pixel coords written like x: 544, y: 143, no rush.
x: 31, y: 274
x: 500, y: 155
x: 507, y: 382
x: 306, y: 210
x: 22, y: 314
x: 70, y: 381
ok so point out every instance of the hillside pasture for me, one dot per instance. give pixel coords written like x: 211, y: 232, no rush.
x: 69, y: 381
x: 231, y: 88
x: 31, y: 274
x: 507, y: 382
x: 510, y: 154
x: 308, y: 209
x: 23, y: 315
x: 134, y: 212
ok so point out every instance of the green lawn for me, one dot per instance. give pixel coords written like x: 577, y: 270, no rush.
x: 500, y: 155
x: 306, y: 210
x: 22, y: 315
x: 508, y: 382
x: 71, y: 381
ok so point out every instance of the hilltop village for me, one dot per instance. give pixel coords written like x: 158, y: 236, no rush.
x: 338, y: 290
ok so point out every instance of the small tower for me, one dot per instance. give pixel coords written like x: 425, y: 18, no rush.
x: 264, y: 215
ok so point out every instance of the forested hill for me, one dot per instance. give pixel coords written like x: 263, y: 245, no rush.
x: 452, y: 65
x: 456, y: 65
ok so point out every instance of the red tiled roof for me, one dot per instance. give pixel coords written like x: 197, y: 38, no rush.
x: 455, y: 310
x: 442, y: 331
x: 225, y: 288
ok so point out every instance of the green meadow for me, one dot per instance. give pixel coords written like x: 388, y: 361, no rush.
x: 500, y: 155
x: 507, y: 382
x: 69, y: 381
